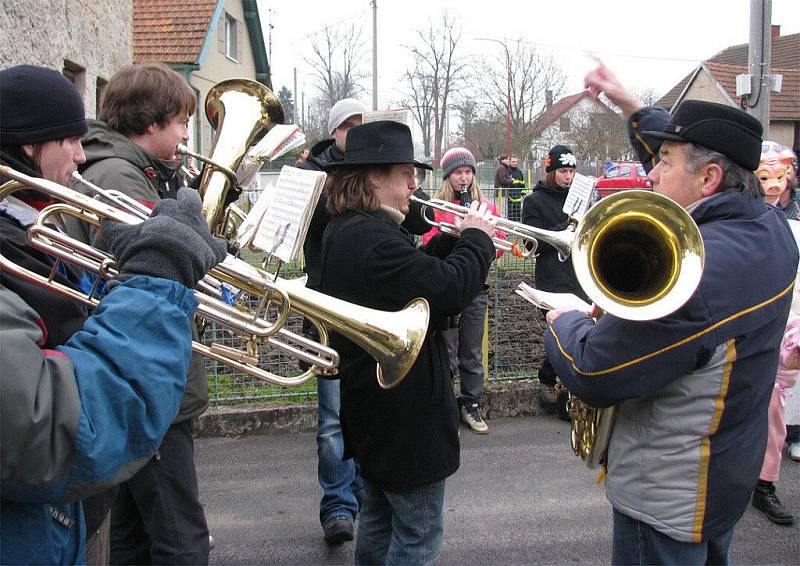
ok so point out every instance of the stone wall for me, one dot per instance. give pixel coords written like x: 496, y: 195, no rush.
x: 91, y: 40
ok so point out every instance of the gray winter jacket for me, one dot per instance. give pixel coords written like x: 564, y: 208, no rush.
x: 115, y: 162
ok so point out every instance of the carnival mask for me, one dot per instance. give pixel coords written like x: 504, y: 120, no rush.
x: 773, y: 169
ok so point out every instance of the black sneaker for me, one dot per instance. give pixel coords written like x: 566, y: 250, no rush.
x: 471, y: 416
x: 338, y: 530
x: 764, y: 499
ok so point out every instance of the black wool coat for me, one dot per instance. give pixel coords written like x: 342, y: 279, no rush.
x: 323, y: 154
x: 543, y: 209
x: 407, y: 436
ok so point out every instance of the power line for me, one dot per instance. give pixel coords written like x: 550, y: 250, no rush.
x: 594, y: 51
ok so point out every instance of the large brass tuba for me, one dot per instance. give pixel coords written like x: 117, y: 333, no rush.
x: 241, y: 111
x: 639, y: 256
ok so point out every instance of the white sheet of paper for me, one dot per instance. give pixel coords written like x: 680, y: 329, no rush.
x: 550, y: 301
x: 579, y: 196
x: 291, y: 203
x: 402, y: 115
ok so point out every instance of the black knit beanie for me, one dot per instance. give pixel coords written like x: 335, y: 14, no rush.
x: 38, y: 105
x: 560, y: 157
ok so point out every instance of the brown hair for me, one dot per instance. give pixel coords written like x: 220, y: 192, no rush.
x: 144, y: 94
x: 550, y: 178
x: 447, y: 191
x: 349, y: 188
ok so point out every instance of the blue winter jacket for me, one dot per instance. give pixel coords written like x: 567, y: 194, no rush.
x: 87, y: 415
x: 692, y: 388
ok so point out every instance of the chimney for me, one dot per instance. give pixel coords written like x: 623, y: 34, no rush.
x: 548, y: 98
x: 775, y: 32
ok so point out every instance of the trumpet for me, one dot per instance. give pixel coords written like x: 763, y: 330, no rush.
x: 394, y: 339
x: 528, y: 234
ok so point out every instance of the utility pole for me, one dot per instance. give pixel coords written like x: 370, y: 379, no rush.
x: 756, y: 102
x: 374, y: 54
x: 295, y: 96
x: 269, y: 46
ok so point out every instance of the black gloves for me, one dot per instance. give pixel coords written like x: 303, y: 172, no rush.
x: 174, y: 243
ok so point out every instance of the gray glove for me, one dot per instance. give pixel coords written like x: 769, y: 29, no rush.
x: 174, y: 243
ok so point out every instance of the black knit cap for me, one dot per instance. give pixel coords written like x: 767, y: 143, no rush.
x: 725, y: 129
x: 559, y: 157
x: 38, y: 105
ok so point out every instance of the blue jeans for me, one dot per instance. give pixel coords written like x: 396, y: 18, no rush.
x: 339, y: 479
x: 635, y: 542
x: 401, y: 527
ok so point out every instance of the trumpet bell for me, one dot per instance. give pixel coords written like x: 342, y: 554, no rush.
x: 638, y: 255
x: 393, y: 339
x: 399, y: 345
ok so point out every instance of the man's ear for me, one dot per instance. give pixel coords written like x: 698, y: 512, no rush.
x: 151, y: 129
x: 710, y: 177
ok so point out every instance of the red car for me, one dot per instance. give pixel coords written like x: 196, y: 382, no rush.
x: 622, y: 176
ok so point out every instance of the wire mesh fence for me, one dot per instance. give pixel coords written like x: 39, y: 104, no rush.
x: 515, y: 330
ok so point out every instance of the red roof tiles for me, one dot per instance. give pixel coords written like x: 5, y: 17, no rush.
x: 170, y: 31
x: 732, y: 61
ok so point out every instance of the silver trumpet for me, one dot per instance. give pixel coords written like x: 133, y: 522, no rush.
x: 528, y: 234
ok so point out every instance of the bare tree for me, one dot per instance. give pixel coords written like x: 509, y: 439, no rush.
x: 436, y: 73
x: 647, y: 96
x: 598, y: 132
x: 420, y: 101
x: 316, y: 120
x: 516, y: 82
x: 336, y: 63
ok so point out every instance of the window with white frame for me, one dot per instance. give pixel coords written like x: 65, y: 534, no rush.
x: 231, y: 37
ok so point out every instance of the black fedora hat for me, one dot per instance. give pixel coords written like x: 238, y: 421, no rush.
x: 728, y: 130
x: 384, y: 142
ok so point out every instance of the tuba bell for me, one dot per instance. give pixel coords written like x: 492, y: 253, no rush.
x: 241, y: 111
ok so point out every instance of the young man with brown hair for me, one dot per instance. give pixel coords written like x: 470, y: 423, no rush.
x: 144, y: 115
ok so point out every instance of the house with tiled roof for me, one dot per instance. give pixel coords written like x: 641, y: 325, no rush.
x: 207, y: 41
x: 569, y: 120
x: 715, y: 80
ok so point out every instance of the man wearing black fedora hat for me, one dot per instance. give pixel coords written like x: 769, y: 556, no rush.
x: 341, y: 484
x: 405, y: 439
x: 691, y: 388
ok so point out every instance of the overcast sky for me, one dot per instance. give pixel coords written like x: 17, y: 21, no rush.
x: 649, y: 45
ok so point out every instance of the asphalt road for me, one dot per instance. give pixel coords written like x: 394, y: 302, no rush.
x: 520, y: 497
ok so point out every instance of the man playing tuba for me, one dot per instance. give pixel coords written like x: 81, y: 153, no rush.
x: 691, y: 388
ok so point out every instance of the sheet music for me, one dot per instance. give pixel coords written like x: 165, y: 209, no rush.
x: 291, y: 204
x: 550, y: 301
x: 579, y: 196
x: 402, y: 115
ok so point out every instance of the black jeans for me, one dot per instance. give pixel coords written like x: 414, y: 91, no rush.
x: 157, y: 517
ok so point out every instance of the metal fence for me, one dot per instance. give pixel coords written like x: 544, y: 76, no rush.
x: 514, y: 338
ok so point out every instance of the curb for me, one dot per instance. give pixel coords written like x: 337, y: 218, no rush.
x: 500, y: 399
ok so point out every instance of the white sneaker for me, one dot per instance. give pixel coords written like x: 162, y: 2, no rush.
x: 794, y: 451
x: 471, y: 416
